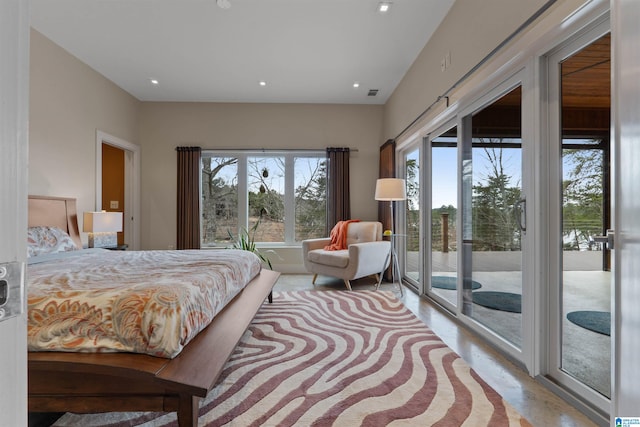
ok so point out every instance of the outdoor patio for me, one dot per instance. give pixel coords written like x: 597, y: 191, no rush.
x: 586, y: 354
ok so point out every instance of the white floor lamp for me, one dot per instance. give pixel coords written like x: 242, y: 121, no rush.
x: 391, y: 189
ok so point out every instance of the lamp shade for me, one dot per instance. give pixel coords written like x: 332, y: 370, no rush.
x: 102, y: 222
x: 390, y: 189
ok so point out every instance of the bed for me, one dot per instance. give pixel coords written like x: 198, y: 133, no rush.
x: 87, y: 382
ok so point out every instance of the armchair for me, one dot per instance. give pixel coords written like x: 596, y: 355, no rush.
x: 366, y: 254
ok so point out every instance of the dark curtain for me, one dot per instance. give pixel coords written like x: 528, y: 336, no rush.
x: 387, y: 169
x: 188, y: 229
x: 338, y: 197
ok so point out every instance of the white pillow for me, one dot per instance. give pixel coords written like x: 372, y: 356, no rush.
x: 46, y: 240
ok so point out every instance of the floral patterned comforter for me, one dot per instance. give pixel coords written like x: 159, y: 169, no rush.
x: 151, y: 302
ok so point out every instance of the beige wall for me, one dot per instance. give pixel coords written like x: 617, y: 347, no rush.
x: 469, y: 32
x: 164, y: 126
x: 69, y: 101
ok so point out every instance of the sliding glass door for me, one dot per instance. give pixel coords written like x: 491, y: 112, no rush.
x: 443, y: 216
x: 412, y: 262
x: 582, y: 212
x: 494, y: 216
x: 516, y: 212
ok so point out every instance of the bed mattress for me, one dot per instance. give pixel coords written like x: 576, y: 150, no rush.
x: 151, y: 302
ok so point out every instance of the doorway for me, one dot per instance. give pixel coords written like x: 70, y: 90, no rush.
x: 118, y: 184
x: 113, y: 184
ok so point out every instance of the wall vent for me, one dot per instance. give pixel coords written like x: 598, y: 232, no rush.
x: 372, y: 92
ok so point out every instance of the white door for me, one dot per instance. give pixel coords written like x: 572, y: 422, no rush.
x: 14, y: 84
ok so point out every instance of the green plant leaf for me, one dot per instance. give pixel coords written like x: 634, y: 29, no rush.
x: 246, y: 241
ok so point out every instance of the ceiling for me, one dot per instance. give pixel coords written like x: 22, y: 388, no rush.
x: 586, y: 76
x: 307, y: 51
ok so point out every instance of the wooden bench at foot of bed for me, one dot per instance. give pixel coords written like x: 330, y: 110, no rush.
x: 119, y: 382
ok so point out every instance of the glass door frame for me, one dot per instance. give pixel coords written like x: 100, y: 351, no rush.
x: 427, y: 197
x: 525, y: 58
x: 460, y: 118
x: 521, y: 77
x: 421, y: 142
x: 550, y: 67
x: 415, y: 285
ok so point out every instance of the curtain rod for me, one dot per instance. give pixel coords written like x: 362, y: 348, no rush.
x: 265, y: 150
x: 445, y: 95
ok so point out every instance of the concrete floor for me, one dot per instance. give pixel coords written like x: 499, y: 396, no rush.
x: 539, y: 405
x: 586, y: 355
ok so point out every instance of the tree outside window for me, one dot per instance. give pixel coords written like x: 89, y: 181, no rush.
x: 285, y: 191
x: 219, y: 207
x: 582, y: 197
x: 495, y: 194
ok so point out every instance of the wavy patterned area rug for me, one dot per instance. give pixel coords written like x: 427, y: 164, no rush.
x: 338, y: 358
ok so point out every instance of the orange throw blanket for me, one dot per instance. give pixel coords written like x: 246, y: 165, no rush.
x: 339, y: 235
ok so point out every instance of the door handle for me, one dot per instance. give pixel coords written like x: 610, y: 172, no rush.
x: 520, y: 209
x: 607, y: 239
x: 11, y: 289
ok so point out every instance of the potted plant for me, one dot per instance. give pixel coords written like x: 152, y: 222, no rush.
x: 246, y: 240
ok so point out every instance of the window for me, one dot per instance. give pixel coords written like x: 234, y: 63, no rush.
x: 240, y: 190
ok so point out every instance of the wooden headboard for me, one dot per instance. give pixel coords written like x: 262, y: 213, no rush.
x: 57, y: 212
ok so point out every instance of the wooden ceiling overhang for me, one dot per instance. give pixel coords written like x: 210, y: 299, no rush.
x: 585, y: 92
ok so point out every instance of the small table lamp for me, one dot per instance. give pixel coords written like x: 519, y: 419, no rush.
x: 103, y: 228
x: 391, y: 189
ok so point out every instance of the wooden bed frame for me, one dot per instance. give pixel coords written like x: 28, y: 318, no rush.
x: 92, y: 382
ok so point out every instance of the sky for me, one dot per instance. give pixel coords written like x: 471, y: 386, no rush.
x: 445, y: 172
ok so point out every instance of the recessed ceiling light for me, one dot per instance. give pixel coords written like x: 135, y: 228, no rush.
x: 223, y: 4
x: 384, y: 6
x: 262, y: 83
x: 154, y: 81
x: 356, y: 85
